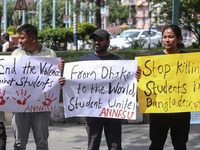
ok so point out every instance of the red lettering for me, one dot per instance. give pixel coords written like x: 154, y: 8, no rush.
x: 112, y: 113
x: 103, y: 112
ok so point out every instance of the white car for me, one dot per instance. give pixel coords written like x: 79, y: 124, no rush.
x: 121, y: 41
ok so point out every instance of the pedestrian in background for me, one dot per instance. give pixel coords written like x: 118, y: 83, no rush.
x: 178, y: 123
x: 7, y: 46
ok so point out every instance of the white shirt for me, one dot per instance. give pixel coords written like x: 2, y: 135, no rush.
x: 5, y: 47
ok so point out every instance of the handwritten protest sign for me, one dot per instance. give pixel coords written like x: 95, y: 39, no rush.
x: 100, y: 89
x: 29, y: 84
x: 169, y: 83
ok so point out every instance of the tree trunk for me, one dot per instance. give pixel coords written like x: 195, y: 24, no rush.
x: 98, y: 14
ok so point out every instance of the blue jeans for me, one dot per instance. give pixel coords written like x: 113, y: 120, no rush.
x: 38, y: 121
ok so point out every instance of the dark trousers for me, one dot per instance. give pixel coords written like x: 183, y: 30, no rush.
x: 2, y: 136
x: 179, y: 125
x: 112, y: 130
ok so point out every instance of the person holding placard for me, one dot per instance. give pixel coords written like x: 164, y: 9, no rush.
x: 94, y: 125
x: 7, y: 46
x: 38, y: 121
x: 3, y: 136
x: 178, y: 123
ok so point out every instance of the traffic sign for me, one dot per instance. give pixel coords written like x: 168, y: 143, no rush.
x: 65, y: 18
x: 20, y: 5
x: 130, y: 21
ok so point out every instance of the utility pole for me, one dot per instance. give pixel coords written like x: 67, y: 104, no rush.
x: 70, y: 12
x: 175, y: 12
x: 66, y: 12
x: 81, y: 12
x: 90, y: 13
x: 75, y: 47
x: 23, y: 19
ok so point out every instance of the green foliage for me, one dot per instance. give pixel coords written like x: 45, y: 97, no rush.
x: 10, y: 33
x: 71, y: 56
x: 47, y: 14
x: 117, y: 11
x: 53, y: 37
x: 11, y: 29
x: 84, y: 30
x: 188, y: 14
x: 158, y: 44
x: 195, y: 44
x: 136, y: 43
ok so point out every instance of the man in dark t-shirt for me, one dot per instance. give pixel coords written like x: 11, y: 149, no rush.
x: 95, y: 126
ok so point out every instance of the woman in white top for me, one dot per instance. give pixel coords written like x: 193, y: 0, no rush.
x: 7, y: 46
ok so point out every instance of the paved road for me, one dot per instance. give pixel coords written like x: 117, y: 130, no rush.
x: 73, y: 136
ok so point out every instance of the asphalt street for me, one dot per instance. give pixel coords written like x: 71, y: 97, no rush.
x: 73, y: 136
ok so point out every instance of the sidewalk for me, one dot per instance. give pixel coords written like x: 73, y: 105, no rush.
x: 73, y: 136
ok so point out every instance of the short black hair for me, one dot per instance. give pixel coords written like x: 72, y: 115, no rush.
x: 29, y: 29
x: 6, y: 36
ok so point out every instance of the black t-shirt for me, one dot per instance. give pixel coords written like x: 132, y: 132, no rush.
x: 92, y: 56
x: 161, y: 53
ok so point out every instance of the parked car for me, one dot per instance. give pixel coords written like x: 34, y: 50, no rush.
x: 121, y: 41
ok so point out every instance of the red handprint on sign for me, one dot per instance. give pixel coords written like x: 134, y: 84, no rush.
x: 49, y: 99
x: 2, y: 100
x: 23, y: 98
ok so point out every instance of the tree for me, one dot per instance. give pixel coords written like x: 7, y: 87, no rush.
x: 84, y: 30
x: 47, y: 14
x: 119, y: 11
x: 10, y: 11
x: 189, y: 12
